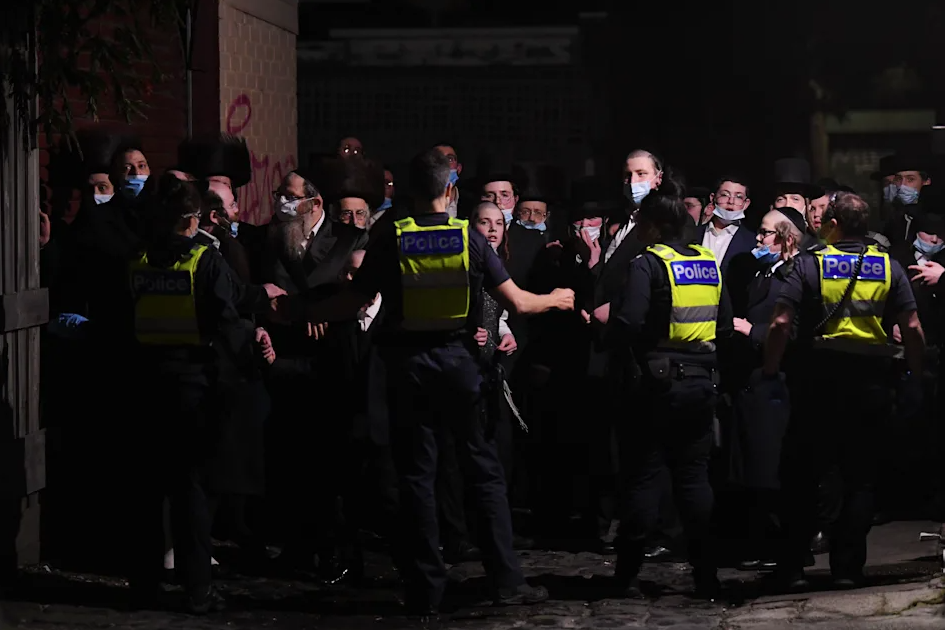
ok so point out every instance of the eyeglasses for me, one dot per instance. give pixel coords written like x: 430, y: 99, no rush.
x: 351, y: 150
x: 493, y: 197
x: 765, y: 233
x: 738, y: 199
x: 356, y: 213
x: 532, y: 214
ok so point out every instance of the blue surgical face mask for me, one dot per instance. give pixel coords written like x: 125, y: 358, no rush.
x: 927, y: 249
x: 135, y: 184
x: 454, y: 176
x: 889, y: 192
x: 100, y: 199
x: 531, y: 225
x: 729, y: 216
x: 907, y: 195
x: 234, y: 228
x: 508, y: 216
x: 636, y: 191
x: 764, y: 254
x: 384, y: 206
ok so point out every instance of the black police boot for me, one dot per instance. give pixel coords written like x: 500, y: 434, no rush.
x: 707, y: 583
x: 211, y: 602
x: 523, y: 595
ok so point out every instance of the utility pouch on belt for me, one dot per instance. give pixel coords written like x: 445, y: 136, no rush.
x: 660, y: 369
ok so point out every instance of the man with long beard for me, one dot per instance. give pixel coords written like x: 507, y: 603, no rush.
x: 306, y: 251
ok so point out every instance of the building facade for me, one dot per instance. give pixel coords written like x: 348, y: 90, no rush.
x: 510, y: 94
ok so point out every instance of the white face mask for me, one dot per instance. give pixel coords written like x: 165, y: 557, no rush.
x: 451, y: 209
x: 100, y: 199
x: 593, y: 232
x: 729, y: 216
x: 289, y: 206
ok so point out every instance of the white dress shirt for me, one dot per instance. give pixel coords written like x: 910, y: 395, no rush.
x: 366, y: 317
x: 504, y: 325
x: 318, y: 226
x: 719, y: 240
x: 618, y: 239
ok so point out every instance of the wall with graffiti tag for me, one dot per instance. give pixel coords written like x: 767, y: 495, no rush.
x: 258, y: 99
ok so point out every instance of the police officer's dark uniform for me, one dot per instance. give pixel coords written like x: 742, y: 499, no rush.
x: 184, y: 312
x: 670, y: 314
x: 831, y: 443
x: 430, y: 270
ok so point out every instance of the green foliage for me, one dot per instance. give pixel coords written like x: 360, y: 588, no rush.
x: 80, y: 56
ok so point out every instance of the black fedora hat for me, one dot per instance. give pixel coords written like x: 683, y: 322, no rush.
x: 591, y: 196
x: 792, y: 176
x: 887, y: 167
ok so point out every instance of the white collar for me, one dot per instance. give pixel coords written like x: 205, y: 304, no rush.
x: 731, y: 228
x: 213, y: 239
x: 318, y: 226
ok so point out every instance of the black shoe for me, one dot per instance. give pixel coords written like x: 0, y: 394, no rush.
x: 212, y: 602
x: 524, y: 595
x: 464, y: 552
x: 757, y: 565
x: 632, y: 590
x: 656, y: 552
x: 847, y: 582
x: 820, y: 544
x: 792, y: 581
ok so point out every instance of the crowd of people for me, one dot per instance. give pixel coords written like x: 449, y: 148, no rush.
x: 410, y: 364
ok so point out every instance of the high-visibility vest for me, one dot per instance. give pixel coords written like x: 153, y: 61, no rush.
x: 165, y: 308
x: 434, y: 270
x: 861, y: 316
x: 696, y: 284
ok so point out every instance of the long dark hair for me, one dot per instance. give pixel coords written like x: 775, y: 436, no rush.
x: 503, y: 249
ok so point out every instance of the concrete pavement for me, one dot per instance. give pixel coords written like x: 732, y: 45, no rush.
x: 906, y: 591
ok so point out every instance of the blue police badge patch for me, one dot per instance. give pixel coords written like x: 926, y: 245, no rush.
x: 841, y: 266
x: 432, y: 243
x: 160, y: 282
x: 695, y: 272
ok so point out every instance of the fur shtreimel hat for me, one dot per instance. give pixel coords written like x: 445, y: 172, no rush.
x: 221, y: 154
x: 337, y: 178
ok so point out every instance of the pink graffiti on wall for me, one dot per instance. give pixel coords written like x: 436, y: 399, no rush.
x: 268, y: 171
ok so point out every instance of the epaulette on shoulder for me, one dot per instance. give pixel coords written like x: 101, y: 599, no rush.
x: 815, y: 248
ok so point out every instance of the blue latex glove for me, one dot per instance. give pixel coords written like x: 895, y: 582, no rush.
x: 69, y: 326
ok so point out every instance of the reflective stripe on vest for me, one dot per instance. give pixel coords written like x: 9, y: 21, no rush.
x: 696, y: 285
x: 434, y: 269
x: 165, y: 309
x: 861, y: 318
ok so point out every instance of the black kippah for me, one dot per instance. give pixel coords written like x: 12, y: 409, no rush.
x: 794, y: 217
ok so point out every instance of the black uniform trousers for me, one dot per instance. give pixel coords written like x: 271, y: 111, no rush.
x: 671, y: 428
x: 430, y: 388
x: 178, y: 435
x: 829, y: 456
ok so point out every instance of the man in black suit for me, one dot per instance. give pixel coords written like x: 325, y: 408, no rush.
x: 306, y: 252
x: 729, y: 240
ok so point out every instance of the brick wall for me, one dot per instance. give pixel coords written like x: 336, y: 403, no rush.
x: 258, y: 92
x: 161, y: 132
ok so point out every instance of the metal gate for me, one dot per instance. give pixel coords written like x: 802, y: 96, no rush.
x: 24, y: 309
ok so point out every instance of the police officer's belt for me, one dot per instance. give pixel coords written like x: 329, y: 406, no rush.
x: 695, y: 347
x: 850, y: 346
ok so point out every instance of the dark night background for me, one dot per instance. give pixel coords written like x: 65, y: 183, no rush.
x: 714, y: 87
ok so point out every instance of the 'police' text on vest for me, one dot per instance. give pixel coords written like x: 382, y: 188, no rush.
x: 695, y: 272
x: 839, y: 267
x: 433, y: 242
x: 161, y: 282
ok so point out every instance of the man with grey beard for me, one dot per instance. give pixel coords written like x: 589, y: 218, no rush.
x: 306, y: 251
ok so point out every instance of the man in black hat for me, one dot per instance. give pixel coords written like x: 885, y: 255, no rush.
x: 353, y: 190
x: 912, y: 180
x: 793, y: 189
x: 696, y: 199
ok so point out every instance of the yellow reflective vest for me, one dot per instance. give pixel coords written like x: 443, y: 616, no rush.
x: 434, y: 269
x: 861, y: 317
x: 696, y: 284
x: 165, y: 308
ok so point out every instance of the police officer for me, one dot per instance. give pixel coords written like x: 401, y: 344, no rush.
x: 669, y: 316
x: 842, y: 294
x: 185, y: 320
x: 430, y: 269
